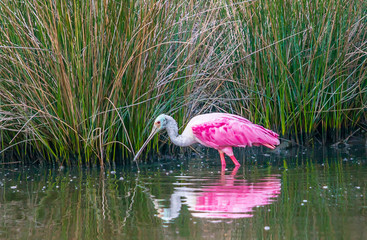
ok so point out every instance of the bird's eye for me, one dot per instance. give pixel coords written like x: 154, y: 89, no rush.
x: 159, y: 122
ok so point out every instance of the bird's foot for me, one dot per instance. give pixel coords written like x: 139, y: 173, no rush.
x: 234, y: 171
x: 223, y: 167
x: 234, y: 160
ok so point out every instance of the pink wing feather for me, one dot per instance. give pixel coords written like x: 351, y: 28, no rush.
x: 231, y: 130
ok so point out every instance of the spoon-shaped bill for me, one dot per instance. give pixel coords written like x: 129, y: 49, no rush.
x: 151, y: 135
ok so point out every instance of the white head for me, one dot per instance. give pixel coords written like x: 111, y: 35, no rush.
x: 160, y: 123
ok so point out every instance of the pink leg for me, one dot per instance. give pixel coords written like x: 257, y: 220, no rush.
x: 234, y: 172
x: 222, y: 159
x: 234, y: 160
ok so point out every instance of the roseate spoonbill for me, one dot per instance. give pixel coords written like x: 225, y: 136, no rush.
x: 220, y: 131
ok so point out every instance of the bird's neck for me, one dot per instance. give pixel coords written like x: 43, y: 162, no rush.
x: 172, y: 131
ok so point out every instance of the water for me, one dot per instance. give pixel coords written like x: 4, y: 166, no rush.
x: 299, y: 194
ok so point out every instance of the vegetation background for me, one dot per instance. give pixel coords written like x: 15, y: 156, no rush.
x: 82, y: 81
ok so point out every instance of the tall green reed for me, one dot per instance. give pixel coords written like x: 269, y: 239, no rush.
x: 302, y: 69
x: 82, y: 81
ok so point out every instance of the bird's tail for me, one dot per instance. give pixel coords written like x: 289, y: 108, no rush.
x: 269, y: 138
x: 269, y: 145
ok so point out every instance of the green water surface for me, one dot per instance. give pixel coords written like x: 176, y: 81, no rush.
x: 289, y: 194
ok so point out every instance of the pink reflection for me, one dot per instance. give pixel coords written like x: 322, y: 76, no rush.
x: 226, y: 197
x: 234, y: 198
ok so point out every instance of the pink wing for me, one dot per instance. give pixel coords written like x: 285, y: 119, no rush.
x: 235, y: 131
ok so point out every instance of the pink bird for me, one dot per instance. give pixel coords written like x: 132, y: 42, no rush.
x: 220, y: 131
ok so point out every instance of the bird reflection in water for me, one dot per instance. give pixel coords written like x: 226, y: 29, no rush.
x: 225, y: 198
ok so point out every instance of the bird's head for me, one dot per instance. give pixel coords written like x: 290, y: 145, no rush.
x: 160, y: 123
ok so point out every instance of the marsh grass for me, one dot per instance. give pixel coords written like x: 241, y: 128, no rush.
x: 81, y: 82
x: 303, y: 70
